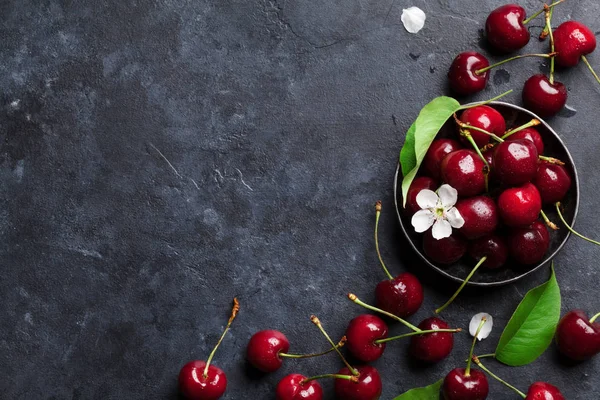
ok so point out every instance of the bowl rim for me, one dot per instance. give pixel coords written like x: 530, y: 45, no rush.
x: 547, y: 259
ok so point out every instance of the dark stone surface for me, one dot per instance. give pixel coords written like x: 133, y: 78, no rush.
x: 281, y: 122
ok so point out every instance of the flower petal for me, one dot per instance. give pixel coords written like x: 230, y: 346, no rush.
x: 441, y: 229
x: 422, y: 220
x: 485, y: 330
x: 427, y: 199
x: 453, y: 216
x: 448, y: 195
x: 413, y: 19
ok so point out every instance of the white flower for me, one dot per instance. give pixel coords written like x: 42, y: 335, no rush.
x: 437, y: 209
x: 486, y: 329
x: 413, y: 19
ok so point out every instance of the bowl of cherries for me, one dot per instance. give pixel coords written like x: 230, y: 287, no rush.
x: 503, y: 169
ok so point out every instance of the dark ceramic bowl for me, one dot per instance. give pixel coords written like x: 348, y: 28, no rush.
x: 554, y: 147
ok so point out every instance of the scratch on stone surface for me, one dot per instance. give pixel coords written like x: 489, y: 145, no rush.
x: 242, y: 180
x: 87, y: 253
x: 389, y: 11
x: 195, y: 184
x: 28, y: 318
x: 220, y: 178
x: 165, y: 158
x: 19, y: 170
x: 519, y: 293
x: 394, y: 120
x: 82, y: 324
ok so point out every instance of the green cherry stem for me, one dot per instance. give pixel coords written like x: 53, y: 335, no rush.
x: 489, y: 355
x: 341, y: 343
x: 335, y: 376
x: 356, y: 300
x: 551, y: 160
x: 468, y: 369
x: 464, y: 126
x: 533, y: 122
x: 235, y: 309
x: 548, y: 12
x: 486, y: 172
x: 482, y: 103
x: 409, y: 334
x: 442, y: 308
x: 490, y: 373
x: 550, y: 224
x: 482, y: 70
x: 573, y: 231
x: 585, y: 60
x: 537, y: 14
x: 377, y: 215
x: 317, y: 322
x: 594, y: 318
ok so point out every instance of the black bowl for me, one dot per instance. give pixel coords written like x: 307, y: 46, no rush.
x: 554, y: 147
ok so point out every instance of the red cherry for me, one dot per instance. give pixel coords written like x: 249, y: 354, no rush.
x: 458, y: 386
x: 542, y: 97
x: 462, y: 76
x: 420, y: 183
x: 480, y: 214
x: 528, y: 245
x: 486, y: 118
x: 577, y: 337
x: 368, y: 386
x: 435, y: 346
x: 293, y: 387
x: 401, y: 296
x: 520, y: 206
x: 515, y: 162
x: 438, y: 149
x: 505, y: 30
x: 543, y: 391
x: 264, y: 348
x: 444, y: 251
x: 361, y: 334
x: 493, y: 247
x: 552, y: 181
x: 193, y: 385
x: 463, y: 170
x: 530, y: 134
x: 572, y: 39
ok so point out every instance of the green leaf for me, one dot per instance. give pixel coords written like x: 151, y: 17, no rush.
x: 532, y: 326
x: 420, y: 135
x: 431, y: 392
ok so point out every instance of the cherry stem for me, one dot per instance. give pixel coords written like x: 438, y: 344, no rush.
x: 573, y: 231
x: 482, y: 103
x: 464, y: 126
x: 533, y: 122
x: 486, y: 174
x: 341, y: 343
x: 490, y: 373
x: 468, y: 369
x: 487, y: 355
x: 537, y: 14
x: 482, y: 70
x: 550, y: 224
x: 377, y: 215
x: 358, y: 301
x: 585, y: 60
x: 335, y: 376
x: 234, y: 311
x: 409, y: 334
x: 315, y: 320
x: 442, y: 308
x: 594, y: 318
x: 548, y: 12
x: 551, y: 160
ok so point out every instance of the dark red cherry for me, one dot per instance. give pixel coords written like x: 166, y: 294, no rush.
x: 463, y: 170
x: 542, y: 97
x: 361, y: 334
x: 493, y: 247
x: 420, y: 183
x: 572, y: 39
x: 444, y: 251
x: 458, y: 386
x: 520, y: 206
x: 543, y: 391
x: 515, y: 162
x: 528, y: 245
x: 435, y: 346
x: 401, y: 296
x: 505, y: 30
x: 195, y: 386
x: 486, y: 118
x: 435, y: 154
x: 532, y: 135
x: 463, y: 77
x: 577, y: 337
x: 480, y: 214
x: 293, y: 387
x: 552, y: 181
x: 368, y: 386
x: 264, y: 348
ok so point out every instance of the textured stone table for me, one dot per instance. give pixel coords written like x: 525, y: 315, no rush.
x: 160, y: 157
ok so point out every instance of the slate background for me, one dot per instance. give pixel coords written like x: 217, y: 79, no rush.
x: 282, y: 122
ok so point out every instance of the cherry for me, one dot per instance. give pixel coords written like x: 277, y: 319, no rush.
x: 520, y: 206
x: 297, y: 387
x: 577, y: 336
x: 444, y: 251
x: 543, y: 391
x: 505, y: 29
x: 435, y: 346
x: 264, y: 349
x: 573, y: 40
x: 515, y: 162
x: 463, y: 76
x: 528, y: 245
x: 552, y: 181
x: 438, y: 149
x: 493, y: 247
x: 368, y: 387
x: 480, y: 214
x: 530, y: 134
x: 464, y: 171
x: 362, y: 332
x: 458, y: 386
x: 420, y: 183
x: 486, y: 118
x: 542, y: 97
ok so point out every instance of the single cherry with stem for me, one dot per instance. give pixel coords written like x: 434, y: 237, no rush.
x: 199, y: 380
x: 532, y: 135
x: 552, y: 181
x: 578, y: 337
x: 515, y: 162
x: 299, y: 387
x: 464, y: 170
x: 573, y: 41
x: 570, y: 228
x: 528, y: 245
x: 438, y: 149
x: 363, y: 334
x: 493, y: 247
x: 483, y: 117
x: 520, y: 206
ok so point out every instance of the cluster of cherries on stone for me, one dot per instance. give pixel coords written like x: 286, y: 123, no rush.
x: 506, y: 32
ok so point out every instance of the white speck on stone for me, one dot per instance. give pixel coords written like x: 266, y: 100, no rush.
x: 210, y: 216
x: 19, y: 170
x: 15, y: 103
x: 28, y: 318
x: 413, y: 19
x: 485, y: 330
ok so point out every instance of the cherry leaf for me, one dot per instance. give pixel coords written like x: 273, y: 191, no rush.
x: 431, y: 392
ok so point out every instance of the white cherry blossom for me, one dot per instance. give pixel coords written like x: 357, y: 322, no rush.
x: 437, y: 210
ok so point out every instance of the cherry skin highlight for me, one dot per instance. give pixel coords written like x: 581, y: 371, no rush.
x: 520, y: 206
x: 493, y: 247
x: 194, y: 386
x: 528, y: 245
x: 576, y: 337
x: 505, y: 30
x: 463, y: 170
x: 368, y: 387
x: 458, y: 386
x: 552, y: 181
x: 463, y: 78
x: 532, y: 135
x: 420, y: 183
x: 486, y: 118
x: 264, y: 348
x: 542, y: 97
x: 572, y: 39
x: 292, y: 387
x: 515, y: 162
x: 444, y: 251
x: 480, y: 214
x: 401, y: 296
x: 361, y: 334
x: 435, y: 346
x: 543, y: 391
x: 435, y: 154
